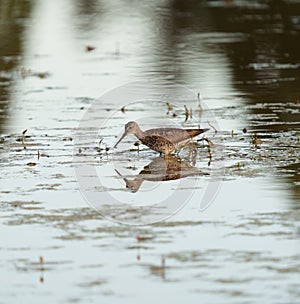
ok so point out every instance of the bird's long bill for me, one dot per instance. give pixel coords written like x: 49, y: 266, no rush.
x: 124, y: 134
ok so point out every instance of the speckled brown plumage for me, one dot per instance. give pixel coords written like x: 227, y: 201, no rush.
x: 163, y: 140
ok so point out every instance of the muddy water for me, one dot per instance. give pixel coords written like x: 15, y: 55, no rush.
x: 244, y: 59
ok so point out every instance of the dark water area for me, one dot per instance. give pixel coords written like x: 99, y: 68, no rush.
x: 62, y: 59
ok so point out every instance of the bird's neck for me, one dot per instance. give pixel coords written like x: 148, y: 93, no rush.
x: 139, y: 133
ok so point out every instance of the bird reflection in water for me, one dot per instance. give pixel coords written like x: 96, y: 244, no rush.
x: 162, y: 169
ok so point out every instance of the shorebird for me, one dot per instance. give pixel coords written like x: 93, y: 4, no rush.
x: 162, y: 140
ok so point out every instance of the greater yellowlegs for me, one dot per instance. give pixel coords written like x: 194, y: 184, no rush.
x: 163, y: 140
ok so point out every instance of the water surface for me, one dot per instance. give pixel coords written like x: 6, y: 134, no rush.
x: 244, y: 60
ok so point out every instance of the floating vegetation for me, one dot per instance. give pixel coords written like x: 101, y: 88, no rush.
x: 29, y: 73
x: 216, y: 131
x: 137, y: 144
x: 22, y: 138
x: 255, y: 140
x: 170, y: 110
x: 188, y: 113
x: 292, y: 151
x: 89, y: 48
x: 67, y: 139
x: 209, y: 142
x: 199, y: 102
x: 143, y: 238
x: 23, y: 135
x: 26, y: 205
x: 169, y: 107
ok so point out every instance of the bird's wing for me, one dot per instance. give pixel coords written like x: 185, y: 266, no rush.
x: 174, y: 135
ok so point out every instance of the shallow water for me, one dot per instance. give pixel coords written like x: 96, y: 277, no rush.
x: 243, y: 58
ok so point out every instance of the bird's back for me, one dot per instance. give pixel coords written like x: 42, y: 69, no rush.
x: 174, y: 135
